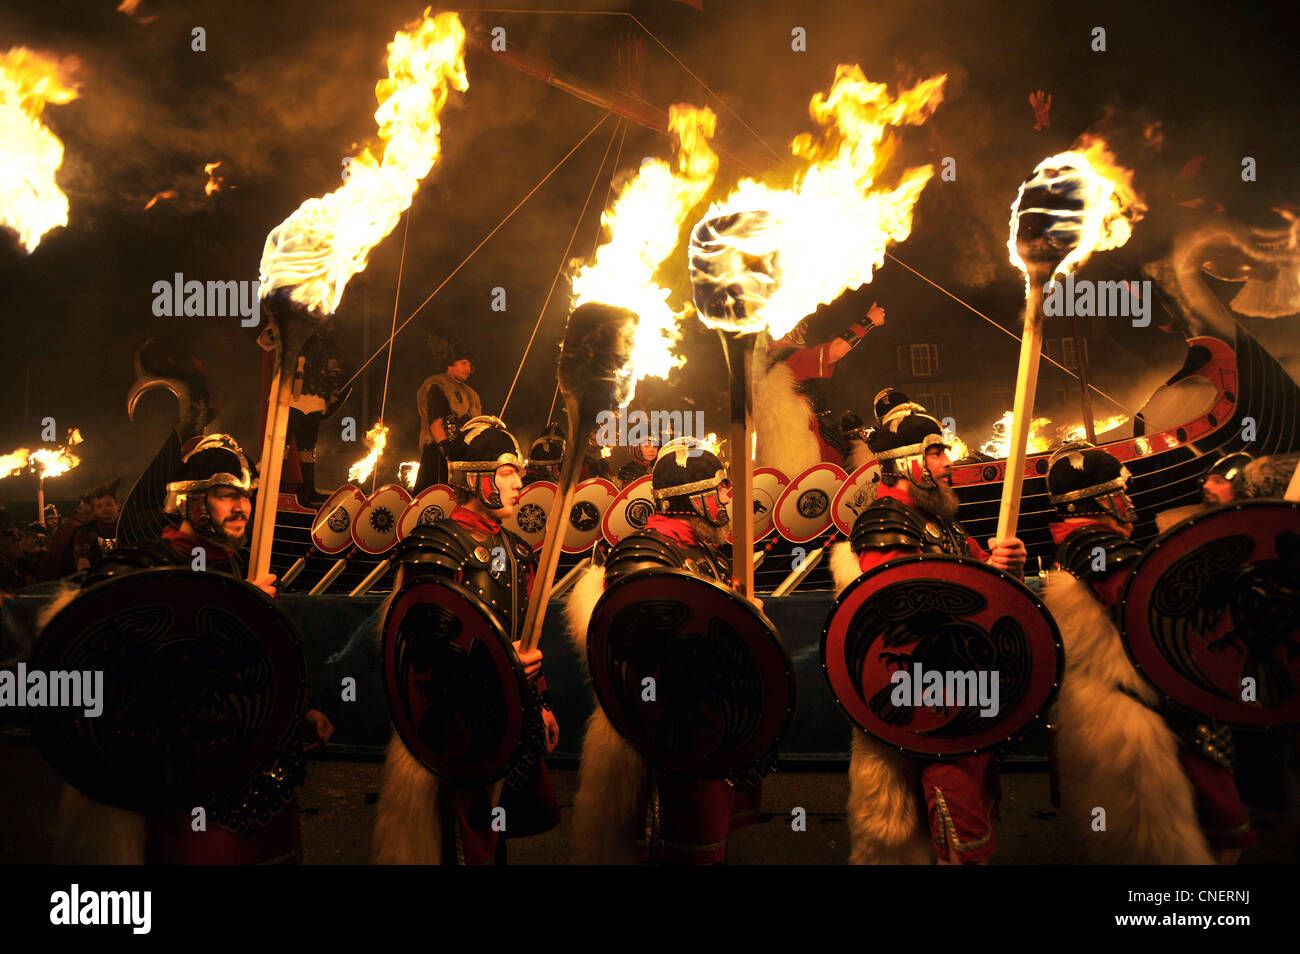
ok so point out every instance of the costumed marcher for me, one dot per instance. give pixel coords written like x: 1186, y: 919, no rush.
x: 59, y: 561
x: 640, y: 463
x: 892, y: 794
x: 420, y: 819
x: 1165, y: 780
x: 545, y: 456
x: 627, y: 810
x: 259, y: 822
x: 794, y: 425
x: 445, y: 402
x: 1226, y: 479
x: 95, y: 538
x: 310, y: 404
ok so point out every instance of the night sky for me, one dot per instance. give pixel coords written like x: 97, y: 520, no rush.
x: 285, y: 90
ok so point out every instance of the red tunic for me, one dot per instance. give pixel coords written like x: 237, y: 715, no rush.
x: 1219, y: 807
x: 815, y: 362
x: 466, y: 811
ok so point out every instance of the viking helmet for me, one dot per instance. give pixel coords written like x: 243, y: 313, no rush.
x: 214, y: 461
x: 1083, y: 479
x: 548, y: 449
x: 481, y: 446
x: 903, y: 433
x: 688, y: 480
x: 1231, y: 468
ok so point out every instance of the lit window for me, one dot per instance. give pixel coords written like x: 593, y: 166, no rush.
x: 921, y: 364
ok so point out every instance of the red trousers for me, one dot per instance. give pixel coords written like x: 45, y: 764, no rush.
x: 687, y: 819
x: 1219, y: 808
x: 961, y: 800
x: 472, y: 830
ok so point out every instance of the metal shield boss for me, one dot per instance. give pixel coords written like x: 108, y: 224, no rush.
x: 331, y: 531
x: 803, y: 511
x: 428, y: 506
x: 456, y: 690
x: 528, y: 521
x: 204, y: 685
x: 856, y: 494
x: 941, y: 655
x: 694, y: 677
x: 590, y: 501
x: 375, y: 529
x: 1211, y: 614
x: 629, y: 512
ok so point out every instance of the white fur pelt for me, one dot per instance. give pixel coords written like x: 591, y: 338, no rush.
x: 88, y: 832
x: 887, y: 822
x: 408, y: 830
x: 1113, y: 752
x: 844, y: 565
x: 781, y: 420
x: 612, y: 777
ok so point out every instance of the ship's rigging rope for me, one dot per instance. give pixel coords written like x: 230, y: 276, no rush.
x: 564, y: 261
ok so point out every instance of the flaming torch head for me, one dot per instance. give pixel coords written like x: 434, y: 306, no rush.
x: 734, y: 270
x: 1057, y: 215
x: 596, y: 368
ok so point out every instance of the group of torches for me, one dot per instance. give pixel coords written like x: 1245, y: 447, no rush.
x: 776, y: 249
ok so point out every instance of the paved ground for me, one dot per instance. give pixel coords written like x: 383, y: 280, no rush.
x: 339, y: 800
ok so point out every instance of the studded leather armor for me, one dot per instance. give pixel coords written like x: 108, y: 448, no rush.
x: 1078, y: 556
x: 891, y: 523
x: 494, y: 568
x: 650, y: 548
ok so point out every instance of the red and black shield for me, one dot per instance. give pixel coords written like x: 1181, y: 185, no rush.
x: 1211, y: 614
x: 694, y: 677
x: 456, y: 689
x: 941, y: 655
x: 204, y: 684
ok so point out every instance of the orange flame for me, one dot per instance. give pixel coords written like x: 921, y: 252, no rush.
x: 831, y: 226
x: 999, y: 445
x: 408, y: 471
x: 43, y: 462
x: 214, y: 182
x: 169, y: 194
x: 31, y: 202
x: 328, y: 240
x: 1080, y: 432
x: 376, y: 438
x: 644, y: 224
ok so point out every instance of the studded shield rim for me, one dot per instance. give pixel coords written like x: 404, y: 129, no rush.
x: 338, y: 518
x: 815, y: 487
x: 180, y: 627
x: 520, y: 712
x: 1136, y: 612
x: 1031, y: 709
x: 773, y: 663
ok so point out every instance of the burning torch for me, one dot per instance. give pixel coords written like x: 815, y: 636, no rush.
x: 1063, y: 212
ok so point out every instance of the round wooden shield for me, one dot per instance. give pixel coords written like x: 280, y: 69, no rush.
x: 629, y: 512
x: 768, y: 485
x: 532, y: 511
x: 941, y: 655
x: 331, y: 531
x: 1211, y: 614
x: 202, y: 681
x: 590, y: 502
x: 430, y: 505
x: 856, y: 495
x: 695, y: 678
x: 375, y: 529
x: 457, y: 693
x: 803, y: 511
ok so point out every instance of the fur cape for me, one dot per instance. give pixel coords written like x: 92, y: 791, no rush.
x: 1113, y: 752
x: 86, y: 831
x: 782, y: 420
x: 408, y: 830
x: 612, y: 776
